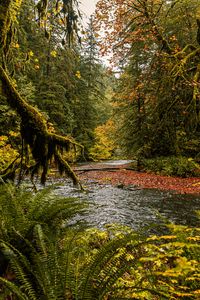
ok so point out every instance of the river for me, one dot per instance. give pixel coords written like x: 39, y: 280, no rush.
x: 137, y: 208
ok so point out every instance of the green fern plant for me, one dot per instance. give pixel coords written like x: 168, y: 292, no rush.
x: 31, y: 229
x: 22, y: 210
x: 39, y: 275
x: 53, y: 271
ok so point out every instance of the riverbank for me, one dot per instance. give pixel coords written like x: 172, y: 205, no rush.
x: 123, y: 177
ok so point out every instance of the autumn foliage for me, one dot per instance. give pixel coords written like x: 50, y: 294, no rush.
x: 155, y: 46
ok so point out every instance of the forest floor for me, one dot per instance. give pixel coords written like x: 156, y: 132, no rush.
x: 122, y: 177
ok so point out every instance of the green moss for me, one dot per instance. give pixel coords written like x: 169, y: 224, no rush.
x: 8, y: 13
x: 64, y: 167
x: 43, y: 144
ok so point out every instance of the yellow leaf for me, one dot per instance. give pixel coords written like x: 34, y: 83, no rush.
x: 195, y: 184
x: 78, y: 74
x: 53, y: 53
x: 16, y: 45
x: 30, y: 53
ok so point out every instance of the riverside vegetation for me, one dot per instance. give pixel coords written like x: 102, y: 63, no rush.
x: 44, y: 257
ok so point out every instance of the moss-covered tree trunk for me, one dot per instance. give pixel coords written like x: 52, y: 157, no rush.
x: 44, y: 145
x: 8, y: 13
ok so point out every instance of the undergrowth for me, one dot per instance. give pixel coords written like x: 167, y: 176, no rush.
x: 46, y: 259
x: 172, y: 166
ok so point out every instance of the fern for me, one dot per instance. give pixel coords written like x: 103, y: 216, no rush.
x: 47, y: 265
x: 28, y: 223
x: 97, y: 278
x: 22, y: 210
x: 14, y: 288
x: 41, y: 275
x: 21, y: 268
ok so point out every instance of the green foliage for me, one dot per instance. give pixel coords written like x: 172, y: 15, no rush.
x: 42, y: 273
x: 111, y: 263
x: 31, y: 230
x: 8, y: 119
x: 43, y: 72
x: 21, y: 210
x: 105, y: 144
x: 47, y: 260
x: 124, y: 265
x: 172, y: 166
x: 7, y: 152
x: 70, y: 84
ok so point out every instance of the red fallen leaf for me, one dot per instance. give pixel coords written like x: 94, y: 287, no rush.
x: 145, y: 180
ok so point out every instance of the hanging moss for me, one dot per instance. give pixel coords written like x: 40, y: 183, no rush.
x: 43, y: 144
x: 64, y: 167
x: 198, y: 31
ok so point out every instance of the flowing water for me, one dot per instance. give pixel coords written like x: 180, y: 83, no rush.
x: 136, y: 207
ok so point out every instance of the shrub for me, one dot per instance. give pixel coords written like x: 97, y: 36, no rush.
x: 172, y: 166
x: 121, y: 264
x: 7, y: 152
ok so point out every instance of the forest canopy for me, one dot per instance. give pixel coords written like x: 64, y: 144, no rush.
x: 145, y: 105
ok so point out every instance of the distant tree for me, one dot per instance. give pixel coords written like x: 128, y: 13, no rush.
x: 91, y: 104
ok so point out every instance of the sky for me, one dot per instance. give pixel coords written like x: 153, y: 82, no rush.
x: 88, y: 7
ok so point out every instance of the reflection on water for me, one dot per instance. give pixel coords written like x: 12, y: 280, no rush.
x: 117, y: 162
x: 136, y: 208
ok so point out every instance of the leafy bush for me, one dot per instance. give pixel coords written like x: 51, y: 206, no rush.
x: 7, y: 153
x: 172, y: 166
x: 122, y: 264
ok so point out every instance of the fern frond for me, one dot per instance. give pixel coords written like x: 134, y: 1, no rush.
x: 62, y: 208
x: 101, y: 273
x: 48, y: 265
x: 21, y: 210
x: 14, y: 289
x: 18, y: 263
x: 30, y: 229
x: 72, y: 281
x: 40, y: 240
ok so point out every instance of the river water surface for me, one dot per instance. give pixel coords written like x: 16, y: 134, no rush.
x: 136, y: 208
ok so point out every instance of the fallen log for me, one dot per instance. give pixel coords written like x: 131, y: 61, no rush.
x: 110, y: 169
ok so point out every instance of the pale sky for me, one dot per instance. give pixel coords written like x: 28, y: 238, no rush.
x: 88, y: 6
